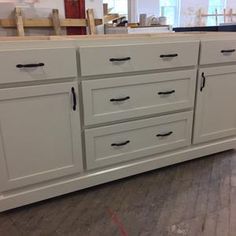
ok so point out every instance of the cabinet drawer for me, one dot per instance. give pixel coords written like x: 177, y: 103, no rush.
x: 123, y: 142
x: 218, y: 51
x: 109, y: 100
x: 102, y: 60
x: 37, y: 64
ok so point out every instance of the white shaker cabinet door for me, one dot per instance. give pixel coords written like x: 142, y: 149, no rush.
x: 40, y: 137
x: 215, y: 116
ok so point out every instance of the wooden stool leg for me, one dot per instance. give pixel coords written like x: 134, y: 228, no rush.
x: 19, y: 22
x: 91, y: 22
x: 56, y: 21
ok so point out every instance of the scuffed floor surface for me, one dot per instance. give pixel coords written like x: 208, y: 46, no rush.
x: 192, y: 198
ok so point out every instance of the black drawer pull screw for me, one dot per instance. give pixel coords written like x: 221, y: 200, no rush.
x: 169, y: 55
x: 228, y: 51
x: 165, y: 135
x: 120, y: 59
x: 203, y: 82
x: 167, y: 92
x: 30, y: 65
x: 74, y: 98
x: 120, y: 144
x: 119, y: 99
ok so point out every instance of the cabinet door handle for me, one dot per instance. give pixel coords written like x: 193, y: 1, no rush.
x: 30, y: 65
x: 228, y: 51
x: 120, y: 59
x: 203, y: 85
x: 168, y: 55
x: 119, y: 99
x: 167, y: 92
x: 74, y: 98
x: 165, y: 135
x: 120, y: 144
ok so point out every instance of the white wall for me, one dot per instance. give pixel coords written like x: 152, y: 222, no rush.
x: 149, y: 7
x: 189, y: 10
x: 42, y: 8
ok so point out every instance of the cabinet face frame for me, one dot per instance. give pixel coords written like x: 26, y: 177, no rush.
x: 61, y: 93
x: 223, y: 110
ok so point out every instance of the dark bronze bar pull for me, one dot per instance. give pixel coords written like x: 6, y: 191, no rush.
x: 119, y: 99
x: 167, y: 92
x: 30, y: 65
x: 165, y: 135
x: 228, y: 51
x: 120, y: 59
x: 203, y: 82
x: 120, y: 144
x: 74, y: 98
x: 168, y: 55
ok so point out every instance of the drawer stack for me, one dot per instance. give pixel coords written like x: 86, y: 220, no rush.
x: 129, y: 116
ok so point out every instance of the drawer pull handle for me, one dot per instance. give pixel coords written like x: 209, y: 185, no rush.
x: 74, y: 98
x: 167, y: 92
x: 120, y: 59
x: 203, y: 82
x: 165, y: 135
x: 119, y: 99
x: 30, y: 65
x: 120, y: 144
x: 169, y: 55
x: 228, y: 51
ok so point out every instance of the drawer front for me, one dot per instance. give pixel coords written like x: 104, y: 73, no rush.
x: 37, y: 64
x: 123, y: 142
x: 110, y: 100
x: 129, y: 58
x: 218, y: 52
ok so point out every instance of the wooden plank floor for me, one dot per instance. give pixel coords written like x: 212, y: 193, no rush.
x: 193, y: 198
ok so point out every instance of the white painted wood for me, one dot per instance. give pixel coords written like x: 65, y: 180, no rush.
x: 142, y: 91
x: 40, y: 135
x: 96, y: 60
x: 32, y: 118
x: 211, y: 51
x: 140, y: 136
x: 58, y: 63
x: 215, y: 116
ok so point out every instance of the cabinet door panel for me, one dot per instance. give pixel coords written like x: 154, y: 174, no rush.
x: 215, y: 112
x: 39, y: 134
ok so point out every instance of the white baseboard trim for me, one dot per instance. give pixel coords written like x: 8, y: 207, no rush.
x: 48, y: 190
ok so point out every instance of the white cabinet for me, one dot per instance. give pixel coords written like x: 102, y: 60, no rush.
x: 215, y: 115
x: 40, y: 137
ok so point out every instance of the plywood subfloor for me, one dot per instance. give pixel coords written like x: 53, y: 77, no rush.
x: 193, y: 198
